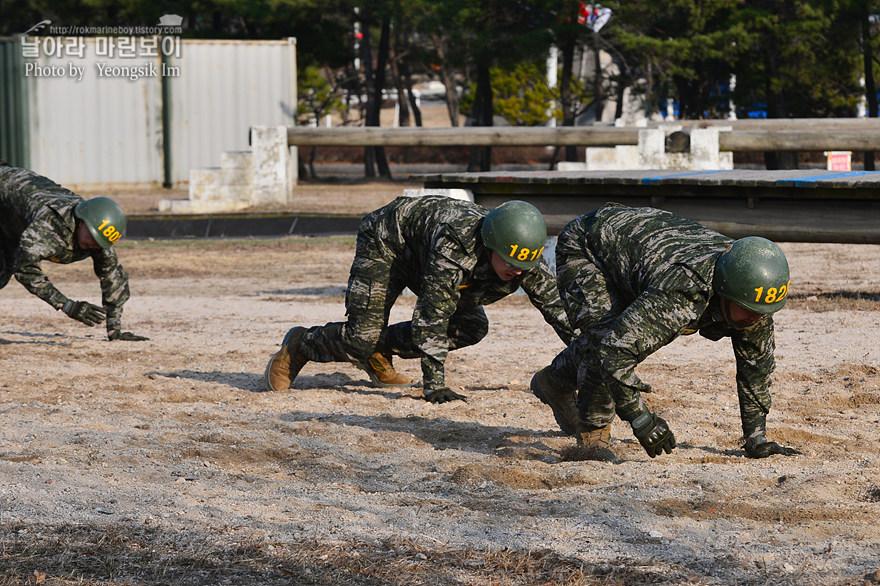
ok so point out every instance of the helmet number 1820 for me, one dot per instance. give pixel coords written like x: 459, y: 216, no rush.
x: 773, y: 294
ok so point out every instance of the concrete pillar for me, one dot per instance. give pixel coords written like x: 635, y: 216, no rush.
x: 271, y: 165
x: 652, y: 148
x: 705, y: 154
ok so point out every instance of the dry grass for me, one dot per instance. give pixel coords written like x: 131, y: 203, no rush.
x: 835, y: 301
x: 112, y: 554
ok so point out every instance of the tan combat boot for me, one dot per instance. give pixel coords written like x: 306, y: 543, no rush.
x: 596, y: 444
x: 285, y: 365
x: 382, y: 372
x: 561, y: 399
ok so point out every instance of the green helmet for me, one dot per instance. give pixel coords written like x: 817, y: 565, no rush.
x: 753, y: 273
x: 517, y: 232
x: 104, y: 219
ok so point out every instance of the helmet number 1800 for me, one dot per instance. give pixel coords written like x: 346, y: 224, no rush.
x: 773, y: 294
x: 524, y: 254
x: 109, y: 231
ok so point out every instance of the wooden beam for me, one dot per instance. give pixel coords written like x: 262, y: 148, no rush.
x: 847, y: 137
x: 799, y: 140
x: 462, y: 136
x: 785, y: 123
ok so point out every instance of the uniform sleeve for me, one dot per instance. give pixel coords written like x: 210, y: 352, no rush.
x: 753, y: 348
x: 437, y: 301
x: 653, y: 320
x: 114, y: 286
x: 540, y: 285
x: 39, y: 242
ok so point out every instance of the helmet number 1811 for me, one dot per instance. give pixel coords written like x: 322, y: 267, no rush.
x: 524, y: 254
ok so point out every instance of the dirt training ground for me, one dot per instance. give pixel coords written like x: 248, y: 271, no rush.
x: 162, y: 462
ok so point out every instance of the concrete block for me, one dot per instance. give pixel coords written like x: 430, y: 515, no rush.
x: 680, y: 161
x: 602, y: 159
x: 235, y: 193
x: 237, y: 160
x: 704, y: 149
x: 204, y: 184
x: 235, y: 176
x: 627, y: 156
x: 271, y: 165
x: 205, y: 177
x: 618, y: 158
x: 652, y: 148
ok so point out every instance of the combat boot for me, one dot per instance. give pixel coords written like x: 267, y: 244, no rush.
x: 562, y: 400
x: 596, y: 444
x: 381, y: 371
x: 285, y: 365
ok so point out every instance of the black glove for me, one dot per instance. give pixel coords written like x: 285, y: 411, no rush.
x: 125, y: 336
x: 443, y: 395
x: 89, y: 314
x: 759, y: 447
x: 653, y: 433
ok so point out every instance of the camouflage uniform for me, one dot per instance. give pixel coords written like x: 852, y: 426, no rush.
x: 432, y: 245
x: 633, y: 280
x: 38, y: 224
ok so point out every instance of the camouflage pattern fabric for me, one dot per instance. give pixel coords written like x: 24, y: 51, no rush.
x: 38, y: 225
x: 632, y: 280
x: 431, y: 245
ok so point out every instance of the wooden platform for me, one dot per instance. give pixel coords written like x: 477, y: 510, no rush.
x: 793, y: 206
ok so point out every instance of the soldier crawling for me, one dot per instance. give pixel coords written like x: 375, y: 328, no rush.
x: 43, y: 221
x: 456, y: 257
x: 634, y: 279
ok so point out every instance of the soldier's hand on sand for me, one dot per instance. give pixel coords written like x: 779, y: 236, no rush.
x: 125, y: 336
x: 653, y: 433
x: 443, y: 395
x: 83, y: 311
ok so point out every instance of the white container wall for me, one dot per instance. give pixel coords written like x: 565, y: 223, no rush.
x: 88, y: 131
x: 223, y: 89
x: 96, y: 121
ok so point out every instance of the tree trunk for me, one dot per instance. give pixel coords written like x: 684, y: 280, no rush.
x: 379, y: 80
x: 776, y: 108
x: 870, y: 86
x: 373, y: 103
x: 481, y: 157
x: 397, y: 77
x: 410, y: 96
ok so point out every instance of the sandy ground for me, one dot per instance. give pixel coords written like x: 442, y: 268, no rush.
x: 169, y: 447
x: 327, y: 197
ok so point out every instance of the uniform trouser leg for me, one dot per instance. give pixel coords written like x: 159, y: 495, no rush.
x: 592, y: 305
x: 372, y: 291
x: 324, y: 343
x: 595, y: 405
x: 467, y: 326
